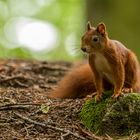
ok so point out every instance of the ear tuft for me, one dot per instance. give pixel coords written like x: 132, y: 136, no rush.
x: 89, y: 26
x: 101, y: 28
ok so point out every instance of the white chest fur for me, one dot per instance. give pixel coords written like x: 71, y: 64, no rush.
x: 103, y: 67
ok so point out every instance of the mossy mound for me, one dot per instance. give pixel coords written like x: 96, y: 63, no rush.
x: 120, y: 117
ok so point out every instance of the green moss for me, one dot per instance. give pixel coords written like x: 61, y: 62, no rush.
x: 133, y: 97
x: 113, y: 117
x: 92, y: 113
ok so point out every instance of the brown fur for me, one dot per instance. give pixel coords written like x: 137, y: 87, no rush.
x: 111, y: 65
x: 77, y: 84
x: 118, y: 64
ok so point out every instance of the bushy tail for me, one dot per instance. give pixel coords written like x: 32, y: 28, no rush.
x: 76, y: 84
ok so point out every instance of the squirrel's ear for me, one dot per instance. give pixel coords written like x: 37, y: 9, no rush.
x: 101, y: 28
x: 89, y: 26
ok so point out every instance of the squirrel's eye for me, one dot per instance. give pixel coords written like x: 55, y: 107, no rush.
x: 95, y: 38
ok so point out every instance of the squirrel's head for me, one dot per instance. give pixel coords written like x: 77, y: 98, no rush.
x: 94, y: 39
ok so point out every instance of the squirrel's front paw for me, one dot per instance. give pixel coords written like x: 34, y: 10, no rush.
x: 116, y: 95
x: 98, y: 97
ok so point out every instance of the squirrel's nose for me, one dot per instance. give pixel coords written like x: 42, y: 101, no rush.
x: 83, y: 49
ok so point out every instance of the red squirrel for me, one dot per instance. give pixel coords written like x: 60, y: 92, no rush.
x: 111, y: 66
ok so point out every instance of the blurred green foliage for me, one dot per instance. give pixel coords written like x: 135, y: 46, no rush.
x: 121, y: 18
x: 70, y: 17
x: 65, y: 15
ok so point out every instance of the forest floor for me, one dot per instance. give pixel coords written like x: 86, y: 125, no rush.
x: 25, y: 111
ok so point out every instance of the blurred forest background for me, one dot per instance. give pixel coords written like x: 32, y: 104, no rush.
x: 52, y: 29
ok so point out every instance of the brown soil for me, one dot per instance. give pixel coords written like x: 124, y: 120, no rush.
x: 27, y: 113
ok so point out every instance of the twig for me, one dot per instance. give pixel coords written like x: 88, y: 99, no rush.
x: 15, y: 77
x: 21, y: 84
x: 17, y: 106
x: 49, y: 126
x: 91, y: 135
x: 108, y: 137
x: 27, y: 103
x: 13, y: 107
x: 3, y: 124
x: 66, y: 134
